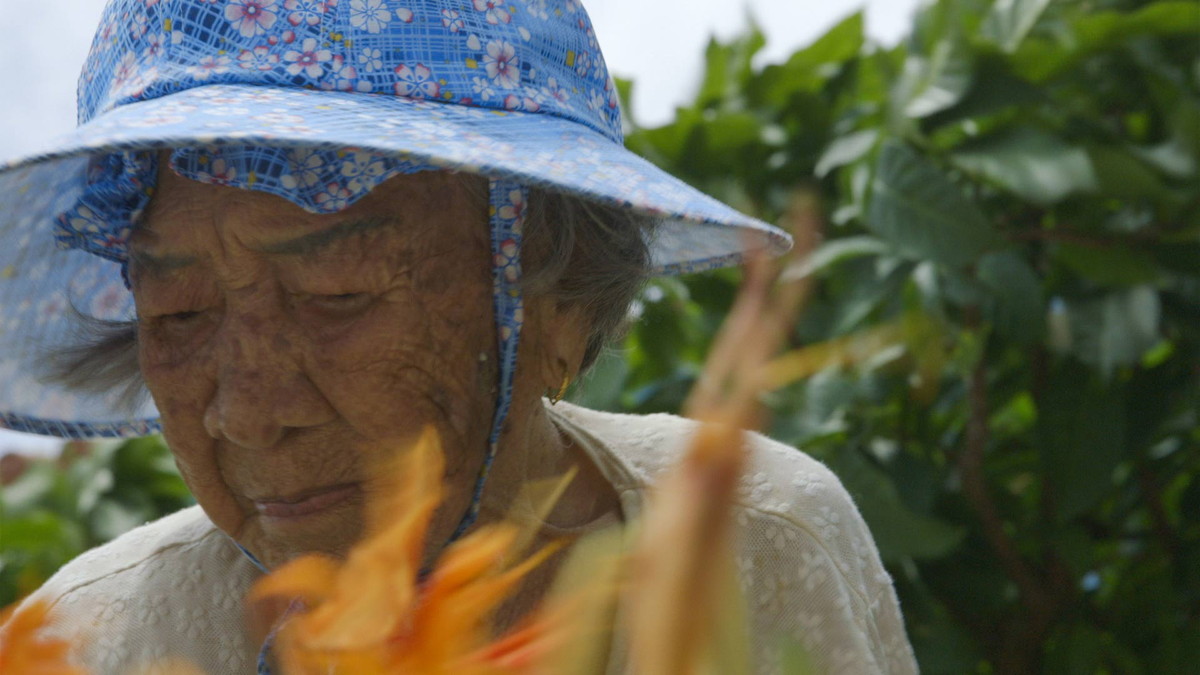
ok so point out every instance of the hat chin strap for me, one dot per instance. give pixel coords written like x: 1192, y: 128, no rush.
x: 506, y: 220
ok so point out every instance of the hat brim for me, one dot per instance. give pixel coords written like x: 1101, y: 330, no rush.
x: 697, y: 232
x: 39, y: 283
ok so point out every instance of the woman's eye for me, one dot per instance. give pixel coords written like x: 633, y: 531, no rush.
x: 174, y: 318
x: 176, y: 326
x: 340, y: 302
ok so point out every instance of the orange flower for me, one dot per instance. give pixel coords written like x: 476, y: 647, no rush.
x: 686, y: 615
x: 682, y: 569
x: 572, y: 631
x: 24, y: 651
x: 372, y: 614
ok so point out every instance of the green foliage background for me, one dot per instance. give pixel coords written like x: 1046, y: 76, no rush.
x: 1013, y: 199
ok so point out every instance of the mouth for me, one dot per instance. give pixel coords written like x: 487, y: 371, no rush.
x: 306, y: 503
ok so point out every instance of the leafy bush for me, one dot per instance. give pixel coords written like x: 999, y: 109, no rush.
x: 1014, y: 189
x: 53, y: 510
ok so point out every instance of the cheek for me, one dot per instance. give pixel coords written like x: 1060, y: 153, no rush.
x: 181, y: 389
x: 412, y: 359
x: 180, y: 385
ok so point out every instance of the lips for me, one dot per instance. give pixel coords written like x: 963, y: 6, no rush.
x: 306, y: 503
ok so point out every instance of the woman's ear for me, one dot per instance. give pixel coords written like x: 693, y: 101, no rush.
x: 562, y: 338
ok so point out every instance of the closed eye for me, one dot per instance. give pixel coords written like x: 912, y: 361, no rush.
x: 178, y: 316
x: 342, y: 303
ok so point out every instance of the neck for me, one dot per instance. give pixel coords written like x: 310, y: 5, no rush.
x: 531, y: 449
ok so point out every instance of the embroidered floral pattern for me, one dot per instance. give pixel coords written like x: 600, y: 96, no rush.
x: 259, y: 58
x: 502, y: 64
x: 343, y: 76
x: 306, y: 12
x: 369, y: 15
x: 493, y: 10
x: 451, y: 20
x: 370, y: 59
x: 251, y: 17
x: 416, y: 81
x: 209, y: 66
x: 309, y: 59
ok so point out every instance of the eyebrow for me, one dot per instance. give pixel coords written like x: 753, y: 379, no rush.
x: 315, y: 241
x: 159, y: 265
x: 303, y: 245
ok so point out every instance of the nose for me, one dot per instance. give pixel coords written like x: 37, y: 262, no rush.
x: 262, y: 390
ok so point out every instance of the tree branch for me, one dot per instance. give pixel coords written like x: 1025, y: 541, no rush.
x: 970, y: 466
x: 1159, y: 520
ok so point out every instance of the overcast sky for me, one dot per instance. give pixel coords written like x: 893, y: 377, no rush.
x: 657, y: 43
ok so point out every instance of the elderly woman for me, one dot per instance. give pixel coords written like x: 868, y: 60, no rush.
x: 308, y: 228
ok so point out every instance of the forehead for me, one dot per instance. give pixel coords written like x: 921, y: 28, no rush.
x: 185, y: 213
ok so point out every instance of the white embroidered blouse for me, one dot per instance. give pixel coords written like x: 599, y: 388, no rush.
x: 173, y: 589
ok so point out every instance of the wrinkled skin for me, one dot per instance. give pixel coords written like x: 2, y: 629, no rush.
x: 290, y: 352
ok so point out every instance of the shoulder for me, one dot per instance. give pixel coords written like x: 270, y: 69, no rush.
x: 131, y: 550
x: 787, y: 503
x: 148, y: 594
x: 810, y: 569
x: 779, y: 478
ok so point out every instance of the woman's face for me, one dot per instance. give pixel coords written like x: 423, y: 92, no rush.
x: 290, y: 354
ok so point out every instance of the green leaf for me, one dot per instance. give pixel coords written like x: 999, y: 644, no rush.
x: 1121, y: 175
x: 809, y: 68
x: 625, y: 94
x: 29, y: 491
x: 1117, y: 329
x: 32, y: 548
x: 933, y: 83
x: 1041, y: 59
x: 111, y: 518
x: 1034, y: 165
x: 97, y: 483
x: 1078, y: 650
x: 1156, y: 18
x: 727, y: 67
x: 832, y: 252
x: 923, y: 214
x: 1081, y: 426
x: 846, y: 150
x: 1010, y: 21
x: 722, y: 136
x: 665, y: 145
x: 899, y: 531
x: 1016, y: 417
x: 1109, y: 266
x: 142, y: 459
x: 601, y: 387
x: 1181, y: 258
x: 1016, y: 306
x: 996, y: 88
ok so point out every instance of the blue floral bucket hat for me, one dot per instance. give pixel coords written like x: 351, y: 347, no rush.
x: 316, y: 101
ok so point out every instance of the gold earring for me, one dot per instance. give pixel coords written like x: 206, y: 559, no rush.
x: 557, y: 396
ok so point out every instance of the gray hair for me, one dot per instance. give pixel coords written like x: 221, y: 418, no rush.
x: 582, y: 254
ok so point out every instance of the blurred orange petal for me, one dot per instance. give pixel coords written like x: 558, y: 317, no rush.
x: 24, y: 650
x: 370, y: 614
x: 675, y: 578
x: 309, y: 578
